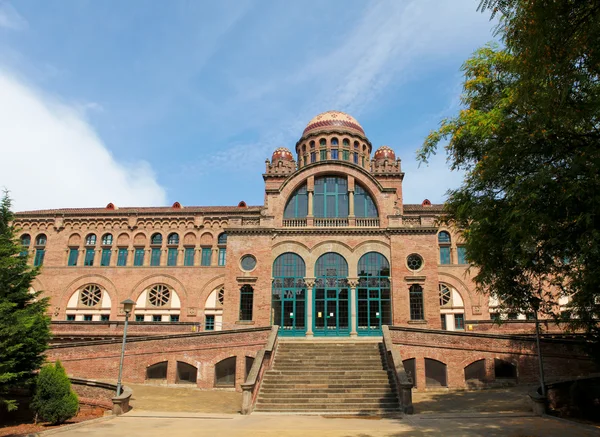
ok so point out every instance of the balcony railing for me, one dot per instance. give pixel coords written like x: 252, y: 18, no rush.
x: 294, y: 223
x: 367, y: 222
x: 331, y: 222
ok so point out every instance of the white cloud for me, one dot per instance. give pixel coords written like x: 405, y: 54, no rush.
x: 10, y: 18
x: 429, y: 181
x: 52, y: 157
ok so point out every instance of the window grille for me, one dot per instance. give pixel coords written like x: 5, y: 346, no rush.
x: 90, y: 296
x: 159, y: 295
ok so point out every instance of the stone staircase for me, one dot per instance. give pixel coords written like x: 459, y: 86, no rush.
x: 328, y: 378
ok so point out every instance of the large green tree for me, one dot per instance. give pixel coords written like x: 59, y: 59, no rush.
x: 24, y: 325
x: 528, y: 139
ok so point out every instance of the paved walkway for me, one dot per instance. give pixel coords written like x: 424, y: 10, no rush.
x: 159, y: 424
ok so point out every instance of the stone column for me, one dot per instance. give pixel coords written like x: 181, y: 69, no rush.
x: 310, y: 283
x: 353, y: 282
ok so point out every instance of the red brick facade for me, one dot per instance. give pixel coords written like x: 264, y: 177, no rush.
x: 185, y: 277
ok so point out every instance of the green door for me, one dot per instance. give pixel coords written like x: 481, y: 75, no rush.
x: 289, y: 295
x: 373, y: 300
x: 331, y: 312
x: 331, y: 305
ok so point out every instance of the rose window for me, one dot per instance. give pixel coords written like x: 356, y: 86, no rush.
x: 414, y: 261
x: 445, y: 295
x: 159, y: 295
x: 91, y: 295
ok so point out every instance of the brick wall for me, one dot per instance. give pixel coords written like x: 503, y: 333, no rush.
x: 562, y: 358
x: 100, y: 360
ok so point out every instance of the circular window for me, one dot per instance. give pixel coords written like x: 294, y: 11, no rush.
x: 248, y: 263
x: 159, y: 295
x: 91, y: 295
x: 414, y: 261
x: 445, y: 295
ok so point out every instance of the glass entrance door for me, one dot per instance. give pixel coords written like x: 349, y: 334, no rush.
x: 331, y: 313
x: 373, y: 303
x: 289, y: 311
x: 289, y: 295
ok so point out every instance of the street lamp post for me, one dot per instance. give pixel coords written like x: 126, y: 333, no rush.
x: 127, y: 307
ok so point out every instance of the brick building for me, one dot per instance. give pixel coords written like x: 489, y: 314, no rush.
x: 333, y: 252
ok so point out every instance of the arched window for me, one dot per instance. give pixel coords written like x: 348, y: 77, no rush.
x: 222, y: 238
x: 186, y: 372
x: 435, y: 373
x: 364, y: 206
x: 297, y: 205
x: 40, y: 251
x: 331, y: 264
x: 107, y: 240
x: 504, y: 369
x: 157, y: 371
x: 475, y: 372
x: 25, y: 240
x: 334, y: 142
x: 173, y: 238
x: 41, y: 240
x: 225, y: 372
x: 345, y: 142
x: 90, y: 240
x: 312, y: 144
x: 322, y: 142
x: 25, y: 243
x: 89, y: 303
x: 444, y: 242
x: 331, y: 197
x: 246, y: 302
x: 289, y: 293
x: 416, y: 302
x: 443, y: 237
x: 374, y: 307
x: 156, y: 239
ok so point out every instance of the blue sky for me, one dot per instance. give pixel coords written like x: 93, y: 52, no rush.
x: 147, y: 103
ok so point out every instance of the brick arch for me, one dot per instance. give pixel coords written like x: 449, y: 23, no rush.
x: 461, y: 287
x: 207, y: 239
x: 158, y: 278
x: 330, y: 246
x: 103, y: 281
x: 367, y: 246
x: 74, y: 239
x: 290, y: 246
x: 37, y: 284
x: 209, y: 287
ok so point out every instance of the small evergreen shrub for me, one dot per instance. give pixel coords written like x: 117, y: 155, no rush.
x: 54, y: 401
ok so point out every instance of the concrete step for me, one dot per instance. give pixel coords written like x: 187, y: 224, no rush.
x: 351, y: 406
x: 311, y: 386
x: 324, y: 390
x: 326, y: 401
x: 268, y: 396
